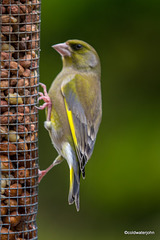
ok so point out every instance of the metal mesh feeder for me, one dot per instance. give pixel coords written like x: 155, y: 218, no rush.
x: 19, y: 78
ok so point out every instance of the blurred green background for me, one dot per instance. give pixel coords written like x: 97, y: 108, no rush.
x: 122, y: 186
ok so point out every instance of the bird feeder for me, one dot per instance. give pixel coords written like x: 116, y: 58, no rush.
x: 19, y: 78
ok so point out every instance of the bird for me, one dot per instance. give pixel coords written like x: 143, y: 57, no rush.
x: 73, y: 108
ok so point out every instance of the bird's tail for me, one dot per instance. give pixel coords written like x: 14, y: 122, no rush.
x: 74, y: 188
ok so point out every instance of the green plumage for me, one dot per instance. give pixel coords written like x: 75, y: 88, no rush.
x: 76, y: 109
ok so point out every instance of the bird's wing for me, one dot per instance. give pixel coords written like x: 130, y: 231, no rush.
x: 82, y: 97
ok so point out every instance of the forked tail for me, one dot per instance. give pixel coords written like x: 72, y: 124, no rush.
x: 74, y: 188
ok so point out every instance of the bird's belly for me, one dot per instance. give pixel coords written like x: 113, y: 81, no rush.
x: 55, y: 138
x: 59, y: 129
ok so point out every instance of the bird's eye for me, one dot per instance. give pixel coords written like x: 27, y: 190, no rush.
x: 77, y: 46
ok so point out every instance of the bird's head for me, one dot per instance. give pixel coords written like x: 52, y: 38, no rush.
x: 79, y: 55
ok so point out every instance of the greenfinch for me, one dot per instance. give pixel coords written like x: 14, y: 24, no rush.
x: 74, y: 110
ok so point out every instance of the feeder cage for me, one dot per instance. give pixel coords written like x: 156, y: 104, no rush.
x: 19, y: 78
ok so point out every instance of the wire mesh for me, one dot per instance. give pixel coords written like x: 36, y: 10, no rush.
x: 19, y: 77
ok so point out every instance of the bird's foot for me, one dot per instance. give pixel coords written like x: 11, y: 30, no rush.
x: 41, y: 174
x: 47, y: 101
x: 44, y: 96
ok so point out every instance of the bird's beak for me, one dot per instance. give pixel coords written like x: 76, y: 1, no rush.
x: 62, y: 49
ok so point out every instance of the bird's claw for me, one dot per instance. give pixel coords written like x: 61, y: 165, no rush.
x: 47, y: 101
x: 41, y: 174
x: 40, y: 93
x: 42, y: 106
x: 44, y: 96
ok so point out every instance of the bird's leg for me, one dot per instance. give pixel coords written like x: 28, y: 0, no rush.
x: 42, y: 173
x: 47, y: 101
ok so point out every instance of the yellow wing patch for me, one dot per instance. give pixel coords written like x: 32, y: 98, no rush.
x: 71, y: 177
x: 71, y: 123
